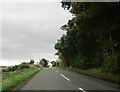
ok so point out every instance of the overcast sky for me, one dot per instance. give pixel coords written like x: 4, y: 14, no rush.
x: 30, y: 30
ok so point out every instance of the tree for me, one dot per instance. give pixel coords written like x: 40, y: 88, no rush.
x: 53, y: 63
x: 92, y: 36
x: 44, y: 62
x: 31, y: 61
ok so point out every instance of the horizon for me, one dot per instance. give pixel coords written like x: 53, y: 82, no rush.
x: 17, y: 62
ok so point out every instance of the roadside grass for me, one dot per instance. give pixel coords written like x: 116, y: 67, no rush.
x: 14, y: 78
x: 0, y: 79
x: 97, y: 73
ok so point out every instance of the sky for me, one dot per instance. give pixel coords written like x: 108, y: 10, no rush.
x: 30, y: 29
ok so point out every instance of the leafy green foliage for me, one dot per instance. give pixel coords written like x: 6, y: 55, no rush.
x: 92, y: 36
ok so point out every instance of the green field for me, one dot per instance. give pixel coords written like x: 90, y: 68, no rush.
x: 13, y: 78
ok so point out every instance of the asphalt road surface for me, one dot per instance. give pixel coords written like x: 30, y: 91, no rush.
x: 59, y: 79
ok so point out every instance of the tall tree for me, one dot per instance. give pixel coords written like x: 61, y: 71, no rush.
x: 92, y: 36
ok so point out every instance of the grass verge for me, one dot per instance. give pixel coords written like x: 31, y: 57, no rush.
x: 12, y: 79
x: 0, y: 79
x: 97, y: 73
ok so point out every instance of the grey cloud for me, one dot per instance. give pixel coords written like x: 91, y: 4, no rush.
x: 30, y: 30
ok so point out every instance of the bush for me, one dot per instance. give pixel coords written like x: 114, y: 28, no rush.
x: 7, y: 69
x: 22, y: 66
x: 16, y: 67
x: 111, y: 63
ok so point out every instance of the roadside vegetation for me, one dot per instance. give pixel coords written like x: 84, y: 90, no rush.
x: 14, y: 75
x: 96, y: 73
x: 0, y: 78
x: 91, y: 44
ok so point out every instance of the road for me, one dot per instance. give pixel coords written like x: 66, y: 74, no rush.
x: 59, y: 79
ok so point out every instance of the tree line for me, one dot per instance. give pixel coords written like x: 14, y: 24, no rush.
x: 19, y: 67
x: 92, y: 36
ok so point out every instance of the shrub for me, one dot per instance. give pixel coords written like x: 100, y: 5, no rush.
x: 22, y: 66
x: 7, y: 69
x: 111, y: 63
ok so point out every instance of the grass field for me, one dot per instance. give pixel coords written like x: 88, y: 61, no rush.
x: 12, y: 79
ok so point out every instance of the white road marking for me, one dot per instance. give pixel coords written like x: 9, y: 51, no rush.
x: 82, y: 89
x: 65, y: 77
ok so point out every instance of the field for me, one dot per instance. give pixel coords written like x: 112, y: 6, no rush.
x: 13, y: 78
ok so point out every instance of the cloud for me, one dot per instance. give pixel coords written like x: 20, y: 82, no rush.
x: 30, y: 29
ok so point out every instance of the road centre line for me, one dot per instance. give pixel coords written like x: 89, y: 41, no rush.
x: 65, y: 77
x: 82, y: 89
